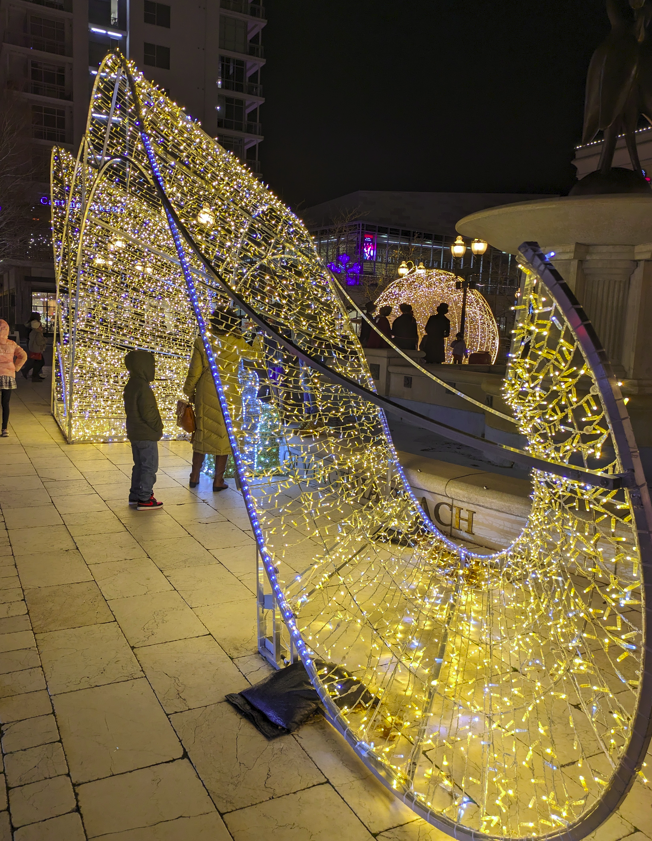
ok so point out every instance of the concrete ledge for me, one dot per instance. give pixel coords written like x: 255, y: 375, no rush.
x: 484, y: 509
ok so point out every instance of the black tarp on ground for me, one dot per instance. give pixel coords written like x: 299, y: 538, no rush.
x: 283, y: 701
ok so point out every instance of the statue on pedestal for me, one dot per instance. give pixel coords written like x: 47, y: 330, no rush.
x: 618, y: 92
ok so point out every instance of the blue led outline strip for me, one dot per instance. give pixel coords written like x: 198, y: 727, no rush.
x: 63, y: 382
x: 286, y: 612
x: 305, y: 652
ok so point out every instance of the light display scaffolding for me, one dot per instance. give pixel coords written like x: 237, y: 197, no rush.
x: 427, y: 288
x: 507, y: 695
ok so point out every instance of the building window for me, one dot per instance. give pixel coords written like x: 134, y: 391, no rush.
x: 157, y: 14
x: 157, y: 56
x: 46, y: 304
x: 49, y: 123
x: 232, y: 74
x: 48, y: 80
x: 97, y: 52
x: 232, y: 144
x: 233, y: 35
x: 47, y: 35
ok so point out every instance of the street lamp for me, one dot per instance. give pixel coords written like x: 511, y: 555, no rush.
x: 205, y: 217
x: 478, y: 247
x: 408, y: 266
x: 458, y: 250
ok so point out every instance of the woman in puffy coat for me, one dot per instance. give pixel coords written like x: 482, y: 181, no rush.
x: 210, y: 436
x: 12, y: 359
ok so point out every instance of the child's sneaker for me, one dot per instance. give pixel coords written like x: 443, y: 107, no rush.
x: 133, y: 503
x: 151, y: 504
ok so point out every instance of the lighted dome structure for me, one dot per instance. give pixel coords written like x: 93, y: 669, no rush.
x: 504, y: 696
x: 426, y: 289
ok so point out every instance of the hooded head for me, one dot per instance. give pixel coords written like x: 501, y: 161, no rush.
x: 35, y: 324
x: 4, y: 330
x: 141, y: 363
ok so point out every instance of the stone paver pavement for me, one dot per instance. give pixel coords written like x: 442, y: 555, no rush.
x: 120, y: 634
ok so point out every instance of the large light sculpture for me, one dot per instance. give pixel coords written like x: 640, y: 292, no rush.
x: 427, y: 289
x: 507, y: 695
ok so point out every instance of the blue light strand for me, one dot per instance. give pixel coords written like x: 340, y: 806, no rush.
x: 286, y: 612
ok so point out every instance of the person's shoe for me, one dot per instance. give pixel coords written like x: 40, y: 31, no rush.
x: 151, y: 504
x: 4, y: 434
x: 192, y: 484
x: 133, y: 503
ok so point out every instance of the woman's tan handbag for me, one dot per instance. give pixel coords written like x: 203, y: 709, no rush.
x: 186, y: 416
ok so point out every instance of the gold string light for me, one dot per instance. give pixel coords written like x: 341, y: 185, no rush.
x: 496, y: 691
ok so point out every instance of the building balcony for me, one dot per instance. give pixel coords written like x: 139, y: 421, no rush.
x: 256, y: 50
x: 35, y: 42
x: 40, y: 89
x: 61, y: 5
x: 250, y: 88
x: 51, y: 91
x: 243, y: 126
x: 244, y: 8
x: 251, y: 54
x: 49, y: 133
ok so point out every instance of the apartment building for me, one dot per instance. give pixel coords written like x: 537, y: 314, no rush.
x: 207, y: 55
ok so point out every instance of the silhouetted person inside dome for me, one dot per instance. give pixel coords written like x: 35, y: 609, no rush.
x: 438, y: 329
x: 365, y: 327
x: 404, y: 329
x: 382, y: 323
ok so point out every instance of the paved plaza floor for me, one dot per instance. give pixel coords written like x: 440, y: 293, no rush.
x: 120, y: 634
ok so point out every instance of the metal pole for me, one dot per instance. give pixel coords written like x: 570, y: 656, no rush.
x: 465, y: 288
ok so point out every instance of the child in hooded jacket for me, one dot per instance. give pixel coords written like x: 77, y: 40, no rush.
x: 459, y: 349
x: 144, y: 428
x: 12, y: 359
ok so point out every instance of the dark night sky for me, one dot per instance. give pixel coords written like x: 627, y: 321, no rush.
x: 452, y: 95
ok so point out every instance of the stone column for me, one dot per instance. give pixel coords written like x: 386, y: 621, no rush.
x: 601, y: 276
x: 637, y: 339
x: 607, y: 271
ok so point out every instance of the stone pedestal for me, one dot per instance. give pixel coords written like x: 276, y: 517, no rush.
x: 603, y: 248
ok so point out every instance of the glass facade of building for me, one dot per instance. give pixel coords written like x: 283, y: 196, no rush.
x: 365, y: 257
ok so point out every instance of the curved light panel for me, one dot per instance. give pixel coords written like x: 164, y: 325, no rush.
x: 501, y: 696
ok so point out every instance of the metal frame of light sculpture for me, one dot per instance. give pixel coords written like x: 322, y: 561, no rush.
x: 425, y: 289
x: 501, y: 696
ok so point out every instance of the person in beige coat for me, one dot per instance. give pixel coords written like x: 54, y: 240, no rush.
x: 210, y: 436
